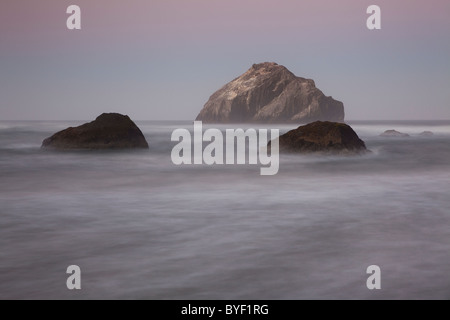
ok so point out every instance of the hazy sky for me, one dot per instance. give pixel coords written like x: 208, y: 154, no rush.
x: 162, y: 59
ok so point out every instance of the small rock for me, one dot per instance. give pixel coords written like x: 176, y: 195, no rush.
x: 108, y: 131
x: 323, y: 137
x: 426, y: 134
x: 394, y: 134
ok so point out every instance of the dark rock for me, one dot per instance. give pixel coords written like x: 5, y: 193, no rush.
x: 426, y: 134
x: 270, y: 93
x: 322, y: 137
x: 108, y: 131
x: 394, y: 134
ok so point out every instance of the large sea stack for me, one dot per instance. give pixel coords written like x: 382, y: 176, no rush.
x: 108, y: 131
x: 270, y: 93
x: 322, y: 137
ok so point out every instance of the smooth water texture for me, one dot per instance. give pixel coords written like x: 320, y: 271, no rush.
x: 142, y: 228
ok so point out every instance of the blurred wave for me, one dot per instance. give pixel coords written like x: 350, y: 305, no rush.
x: 142, y: 228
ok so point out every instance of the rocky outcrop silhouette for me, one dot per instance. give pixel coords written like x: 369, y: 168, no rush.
x: 108, y: 131
x: 322, y: 137
x: 394, y: 134
x: 427, y: 134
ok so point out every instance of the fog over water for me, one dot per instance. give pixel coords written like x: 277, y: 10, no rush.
x: 141, y: 227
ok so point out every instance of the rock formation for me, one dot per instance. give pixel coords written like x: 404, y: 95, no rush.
x: 427, y: 134
x: 108, y: 131
x: 394, y: 134
x: 270, y: 93
x: 322, y: 137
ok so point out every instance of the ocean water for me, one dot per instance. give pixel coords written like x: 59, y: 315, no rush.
x: 140, y: 227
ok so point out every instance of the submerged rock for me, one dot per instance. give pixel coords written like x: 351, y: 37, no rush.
x: 322, y: 137
x: 394, y: 134
x: 108, y: 131
x: 270, y: 93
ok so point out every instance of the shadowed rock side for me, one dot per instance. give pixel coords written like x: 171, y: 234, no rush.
x: 322, y: 137
x: 270, y: 93
x: 108, y: 131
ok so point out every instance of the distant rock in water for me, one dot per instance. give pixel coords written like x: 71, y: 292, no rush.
x: 394, y: 134
x: 322, y: 137
x: 108, y: 131
x: 270, y: 93
x: 426, y: 134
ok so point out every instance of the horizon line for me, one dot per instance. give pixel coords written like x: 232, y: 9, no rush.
x: 192, y: 120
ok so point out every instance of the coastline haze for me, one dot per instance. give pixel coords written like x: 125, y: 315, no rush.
x: 161, y: 60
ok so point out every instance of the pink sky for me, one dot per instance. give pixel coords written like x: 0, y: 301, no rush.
x: 145, y: 49
x: 41, y: 23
